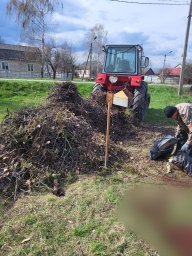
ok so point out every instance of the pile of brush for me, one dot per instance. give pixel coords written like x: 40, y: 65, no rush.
x: 40, y: 147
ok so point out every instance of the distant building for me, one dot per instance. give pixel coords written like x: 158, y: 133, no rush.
x: 149, y: 72
x: 82, y: 70
x: 150, y: 76
x: 171, y: 75
x: 18, y: 61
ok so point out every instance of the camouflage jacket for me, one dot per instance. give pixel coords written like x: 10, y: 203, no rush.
x: 185, y: 119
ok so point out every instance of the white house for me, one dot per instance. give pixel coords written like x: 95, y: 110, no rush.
x: 19, y: 61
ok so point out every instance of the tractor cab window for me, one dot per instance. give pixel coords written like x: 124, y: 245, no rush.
x: 120, y: 60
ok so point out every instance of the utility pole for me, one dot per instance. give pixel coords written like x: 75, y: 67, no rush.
x: 91, y: 54
x: 89, y: 57
x: 85, y: 66
x: 180, y: 90
x: 163, y: 70
x: 162, y: 81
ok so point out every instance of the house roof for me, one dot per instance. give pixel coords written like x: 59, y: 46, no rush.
x: 18, y: 52
x: 178, y: 66
x: 11, y: 55
x: 173, y: 71
x: 149, y: 72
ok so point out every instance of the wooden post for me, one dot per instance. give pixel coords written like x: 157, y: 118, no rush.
x: 109, y: 105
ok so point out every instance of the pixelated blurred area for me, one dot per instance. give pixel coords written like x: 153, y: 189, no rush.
x: 162, y: 216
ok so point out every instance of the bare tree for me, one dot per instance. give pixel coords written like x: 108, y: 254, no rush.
x: 188, y: 72
x: 163, y: 74
x: 59, y: 58
x: 33, y: 15
x: 67, y: 59
x: 52, y: 57
x: 95, y: 38
x: 100, y: 41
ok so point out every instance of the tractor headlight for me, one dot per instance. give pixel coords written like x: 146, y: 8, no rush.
x: 113, y: 79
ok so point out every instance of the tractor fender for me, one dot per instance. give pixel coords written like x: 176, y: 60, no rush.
x: 101, y: 78
x: 136, y: 80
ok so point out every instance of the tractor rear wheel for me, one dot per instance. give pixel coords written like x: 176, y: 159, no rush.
x: 98, y: 88
x: 141, y: 100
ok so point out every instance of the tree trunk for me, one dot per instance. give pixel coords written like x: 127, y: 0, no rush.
x: 54, y: 74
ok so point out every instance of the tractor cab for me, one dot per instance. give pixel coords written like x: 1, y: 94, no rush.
x: 125, y: 59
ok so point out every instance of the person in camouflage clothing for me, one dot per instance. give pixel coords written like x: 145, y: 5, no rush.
x: 182, y: 113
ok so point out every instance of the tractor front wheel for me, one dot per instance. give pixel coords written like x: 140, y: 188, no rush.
x: 141, y: 100
x: 98, y: 88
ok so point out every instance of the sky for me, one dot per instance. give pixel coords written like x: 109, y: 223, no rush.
x: 158, y: 28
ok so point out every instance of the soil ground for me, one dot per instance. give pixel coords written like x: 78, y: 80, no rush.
x: 150, y: 171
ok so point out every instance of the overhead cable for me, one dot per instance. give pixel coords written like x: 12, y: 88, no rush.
x: 150, y: 3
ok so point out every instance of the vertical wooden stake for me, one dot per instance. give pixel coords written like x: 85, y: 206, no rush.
x: 109, y: 105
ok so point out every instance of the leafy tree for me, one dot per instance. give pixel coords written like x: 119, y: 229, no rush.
x: 33, y: 16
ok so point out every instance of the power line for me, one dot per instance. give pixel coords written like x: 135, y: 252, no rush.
x: 186, y: 1
x: 175, y: 1
x: 150, y: 3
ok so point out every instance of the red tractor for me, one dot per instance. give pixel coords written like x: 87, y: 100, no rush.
x: 123, y: 71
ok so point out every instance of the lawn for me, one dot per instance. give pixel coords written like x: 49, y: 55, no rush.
x: 162, y: 96
x: 15, y: 95
x: 81, y: 223
x: 84, y: 221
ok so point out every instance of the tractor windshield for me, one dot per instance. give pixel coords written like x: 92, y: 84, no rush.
x: 120, y: 59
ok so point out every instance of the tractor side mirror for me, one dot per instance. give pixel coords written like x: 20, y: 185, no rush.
x: 144, y: 62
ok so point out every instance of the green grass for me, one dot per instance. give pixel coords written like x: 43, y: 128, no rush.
x: 85, y: 89
x: 18, y: 94
x: 162, y: 96
x: 15, y: 95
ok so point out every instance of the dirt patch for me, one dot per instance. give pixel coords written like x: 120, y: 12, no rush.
x: 150, y: 171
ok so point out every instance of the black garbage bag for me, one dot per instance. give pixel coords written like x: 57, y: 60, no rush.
x: 183, y: 160
x: 181, y: 139
x: 162, y: 147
